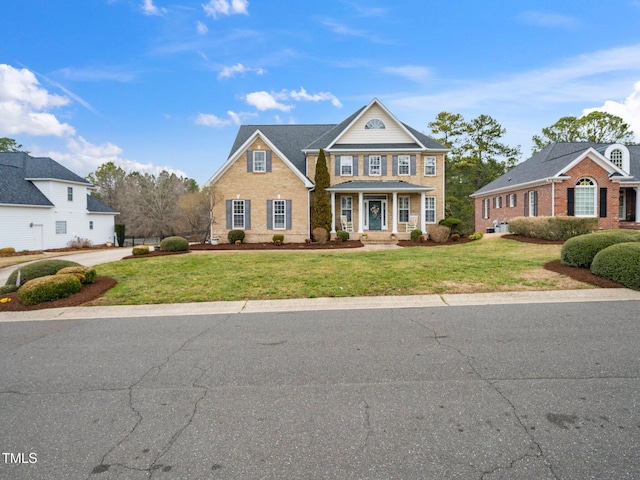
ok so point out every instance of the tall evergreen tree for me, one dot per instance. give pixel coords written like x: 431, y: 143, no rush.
x: 321, y: 207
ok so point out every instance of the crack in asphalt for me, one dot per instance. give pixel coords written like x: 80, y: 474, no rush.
x: 158, y: 368
x: 491, y: 383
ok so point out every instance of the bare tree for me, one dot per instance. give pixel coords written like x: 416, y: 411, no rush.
x: 197, y: 212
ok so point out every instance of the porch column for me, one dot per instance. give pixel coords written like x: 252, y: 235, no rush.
x: 360, y: 211
x: 423, y: 207
x: 333, y: 212
x: 637, y: 189
x: 394, y: 213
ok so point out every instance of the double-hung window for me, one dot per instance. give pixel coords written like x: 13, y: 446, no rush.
x: 403, y: 209
x: 430, y: 209
x: 512, y: 200
x: 259, y: 161
x: 238, y: 214
x: 429, y: 166
x: 346, y: 208
x: 498, y: 202
x: 70, y: 194
x: 346, y: 165
x: 404, y: 164
x: 375, y: 165
x: 279, y: 214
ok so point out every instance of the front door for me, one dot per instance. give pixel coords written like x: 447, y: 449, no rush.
x: 375, y: 215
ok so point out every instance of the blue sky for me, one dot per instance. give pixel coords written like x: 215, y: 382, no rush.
x: 164, y: 84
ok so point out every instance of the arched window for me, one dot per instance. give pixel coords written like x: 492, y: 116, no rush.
x: 375, y: 124
x: 616, y: 157
x: 585, y: 201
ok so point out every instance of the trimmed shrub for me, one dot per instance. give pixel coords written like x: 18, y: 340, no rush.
x: 278, y: 238
x: 343, y: 235
x: 476, y: 236
x: 415, y: 234
x: 552, y: 228
x: 49, y: 288
x: 579, y: 251
x: 320, y: 235
x: 439, y: 233
x: 234, y: 235
x: 7, y: 250
x: 7, y: 289
x: 85, y: 274
x: 174, y: 244
x: 39, y: 269
x: 620, y: 263
x: 140, y: 250
x: 453, y: 223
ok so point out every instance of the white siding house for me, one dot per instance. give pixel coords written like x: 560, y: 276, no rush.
x: 43, y: 205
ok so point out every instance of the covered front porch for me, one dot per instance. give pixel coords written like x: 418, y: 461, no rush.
x: 381, y: 210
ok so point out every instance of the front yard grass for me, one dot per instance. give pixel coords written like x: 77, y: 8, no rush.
x: 488, y: 265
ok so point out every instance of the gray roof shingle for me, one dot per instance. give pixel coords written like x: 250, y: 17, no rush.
x: 96, y: 206
x: 551, y: 161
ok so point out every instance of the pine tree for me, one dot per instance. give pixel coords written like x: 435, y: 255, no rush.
x: 321, y: 207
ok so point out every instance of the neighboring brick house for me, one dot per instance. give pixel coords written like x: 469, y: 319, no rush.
x: 581, y: 179
x: 384, y: 176
x: 43, y: 205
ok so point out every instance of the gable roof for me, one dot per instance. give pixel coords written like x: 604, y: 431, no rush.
x: 554, y: 160
x: 294, y: 141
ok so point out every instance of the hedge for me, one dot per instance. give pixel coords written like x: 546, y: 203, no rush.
x: 620, y: 263
x: 49, y: 288
x: 580, y: 251
x: 85, y: 274
x: 552, y: 228
x: 39, y: 269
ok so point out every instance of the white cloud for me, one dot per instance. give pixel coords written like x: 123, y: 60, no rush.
x: 210, y: 120
x: 544, y: 19
x: 302, y: 95
x: 266, y: 101
x: 224, y: 7
x: 239, y: 69
x: 414, y: 73
x: 202, y: 28
x: 629, y: 110
x: 148, y: 8
x: 83, y: 157
x: 23, y: 105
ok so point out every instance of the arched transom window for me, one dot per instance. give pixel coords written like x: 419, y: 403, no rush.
x: 585, y: 198
x: 375, y: 124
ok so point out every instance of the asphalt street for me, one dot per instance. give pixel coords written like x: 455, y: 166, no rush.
x: 544, y: 391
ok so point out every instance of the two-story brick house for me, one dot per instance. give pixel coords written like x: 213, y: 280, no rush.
x: 386, y: 178
x: 579, y: 179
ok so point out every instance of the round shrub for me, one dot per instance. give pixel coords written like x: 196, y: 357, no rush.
x: 620, y: 263
x: 85, y: 274
x: 234, y: 235
x: 342, y: 235
x: 39, y: 269
x: 579, y: 251
x: 476, y: 236
x: 49, y: 288
x: 320, y: 235
x: 415, y: 234
x: 174, y: 244
x: 140, y: 250
x: 7, y: 250
x: 278, y: 238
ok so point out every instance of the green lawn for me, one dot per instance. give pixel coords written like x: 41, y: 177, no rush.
x: 488, y: 265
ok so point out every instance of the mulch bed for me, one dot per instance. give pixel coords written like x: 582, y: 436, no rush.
x: 284, y: 246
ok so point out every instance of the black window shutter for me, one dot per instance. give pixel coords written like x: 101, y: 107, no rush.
x: 269, y: 214
x: 229, y: 208
x: 535, y: 204
x: 526, y: 204
x: 571, y: 202
x: 515, y: 199
x: 247, y: 214
x: 603, y: 202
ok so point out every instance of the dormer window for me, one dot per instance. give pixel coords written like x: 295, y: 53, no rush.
x: 618, y: 154
x: 375, y: 124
